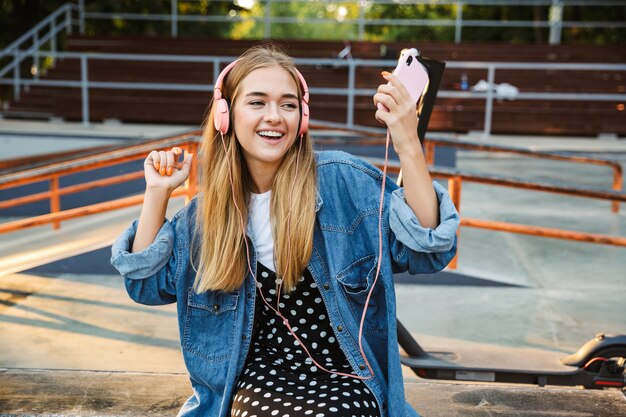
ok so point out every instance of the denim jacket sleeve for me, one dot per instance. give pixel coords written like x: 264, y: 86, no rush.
x: 419, y: 249
x: 149, y: 275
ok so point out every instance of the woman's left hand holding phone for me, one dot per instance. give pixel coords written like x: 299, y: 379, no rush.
x: 163, y: 173
x: 401, y: 116
x: 401, y: 120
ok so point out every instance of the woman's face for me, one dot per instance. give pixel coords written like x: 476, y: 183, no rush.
x: 266, y: 114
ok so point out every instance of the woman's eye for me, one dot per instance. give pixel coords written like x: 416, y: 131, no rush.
x: 256, y: 103
x: 290, y: 106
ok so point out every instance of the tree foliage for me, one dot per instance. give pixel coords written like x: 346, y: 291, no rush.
x: 18, y: 16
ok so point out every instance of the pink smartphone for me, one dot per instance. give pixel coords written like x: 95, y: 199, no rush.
x: 412, y: 74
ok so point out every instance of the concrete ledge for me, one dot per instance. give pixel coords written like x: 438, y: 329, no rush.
x: 40, y: 392
x: 439, y: 399
x: 31, y: 392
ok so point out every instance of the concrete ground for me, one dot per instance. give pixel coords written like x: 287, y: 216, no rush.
x: 565, y: 292
x: 514, y: 290
x: 30, y: 138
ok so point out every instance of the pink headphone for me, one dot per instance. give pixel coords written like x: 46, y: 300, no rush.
x: 222, y: 117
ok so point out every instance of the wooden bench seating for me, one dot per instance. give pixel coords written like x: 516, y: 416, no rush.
x: 450, y: 114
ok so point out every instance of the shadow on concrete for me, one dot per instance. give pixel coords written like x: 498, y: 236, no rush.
x: 450, y: 278
x: 67, y: 324
x: 20, y: 295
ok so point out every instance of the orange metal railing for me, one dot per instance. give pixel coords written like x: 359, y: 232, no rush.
x: 618, y: 180
x: 189, y: 142
x: 429, y: 144
x: 455, y: 182
x: 53, y: 172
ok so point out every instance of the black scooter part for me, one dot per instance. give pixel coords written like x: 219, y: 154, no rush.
x: 431, y: 366
x: 610, y: 346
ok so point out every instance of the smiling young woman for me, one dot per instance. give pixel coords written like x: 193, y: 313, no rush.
x: 275, y: 265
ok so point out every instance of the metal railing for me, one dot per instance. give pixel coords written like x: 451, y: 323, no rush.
x: 429, y: 145
x: 53, y: 172
x: 616, y: 167
x: 456, y: 179
x: 62, y: 20
x: 349, y: 91
x: 34, y: 36
x: 360, y: 21
x: 189, y: 142
x: 57, y: 22
x: 555, y: 23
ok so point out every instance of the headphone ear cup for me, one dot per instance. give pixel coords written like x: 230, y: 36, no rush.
x: 304, y: 120
x: 221, y: 118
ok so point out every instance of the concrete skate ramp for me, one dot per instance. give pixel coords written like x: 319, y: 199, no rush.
x: 30, y: 248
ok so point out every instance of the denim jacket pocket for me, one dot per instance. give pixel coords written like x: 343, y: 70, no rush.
x: 210, y: 324
x: 358, y: 277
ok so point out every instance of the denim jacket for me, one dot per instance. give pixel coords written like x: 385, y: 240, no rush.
x: 216, y: 327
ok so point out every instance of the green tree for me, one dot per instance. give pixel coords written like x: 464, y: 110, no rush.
x: 597, y: 36
x: 338, y: 28
x: 18, y: 16
x: 411, y: 32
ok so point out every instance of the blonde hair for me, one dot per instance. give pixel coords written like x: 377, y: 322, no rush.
x: 222, y: 250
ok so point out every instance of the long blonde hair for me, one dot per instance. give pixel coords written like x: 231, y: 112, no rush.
x: 222, y: 250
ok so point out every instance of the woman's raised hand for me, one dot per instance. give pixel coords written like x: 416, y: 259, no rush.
x: 401, y: 116
x: 164, y: 172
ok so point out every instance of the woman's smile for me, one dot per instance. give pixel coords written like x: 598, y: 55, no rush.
x: 271, y: 136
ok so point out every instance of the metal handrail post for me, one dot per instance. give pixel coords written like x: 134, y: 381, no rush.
x: 429, y: 152
x: 351, y: 83
x: 267, y: 30
x: 16, y: 76
x: 216, y: 71
x: 361, y: 20
x: 458, y: 24
x: 454, y: 189
x: 556, y: 22
x: 55, y: 200
x: 53, y: 40
x: 81, y: 16
x: 68, y: 20
x: 84, y: 89
x: 35, y: 54
x: 491, y: 76
x: 618, y: 182
x: 174, y: 18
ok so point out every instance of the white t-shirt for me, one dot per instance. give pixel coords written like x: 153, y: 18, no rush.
x: 259, y: 212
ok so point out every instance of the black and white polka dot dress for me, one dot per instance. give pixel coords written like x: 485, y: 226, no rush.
x: 279, y: 379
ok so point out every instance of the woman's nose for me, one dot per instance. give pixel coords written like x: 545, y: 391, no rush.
x: 272, y: 114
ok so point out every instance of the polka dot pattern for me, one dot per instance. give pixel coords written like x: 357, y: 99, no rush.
x: 279, y: 379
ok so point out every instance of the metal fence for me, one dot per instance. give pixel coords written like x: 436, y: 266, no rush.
x: 30, y: 47
x: 349, y: 91
x: 77, y: 14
